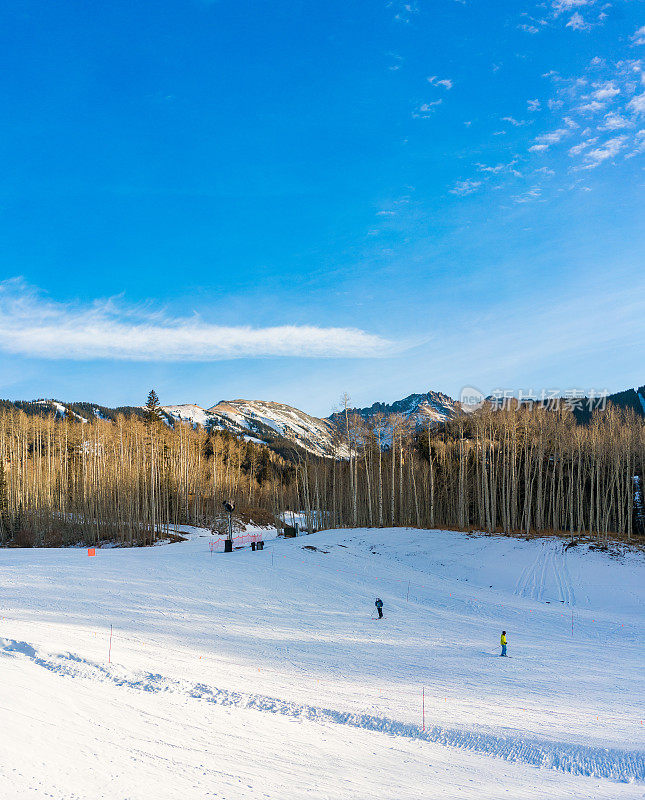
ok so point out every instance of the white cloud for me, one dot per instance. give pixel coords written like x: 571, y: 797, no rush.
x: 639, y: 36
x: 397, y: 61
x: 495, y: 170
x: 533, y: 105
x: 614, y: 122
x: 531, y: 194
x: 578, y: 148
x: 560, y: 6
x: 465, y: 187
x: 637, y: 104
x: 517, y: 123
x: 590, y: 108
x: 404, y: 11
x: 611, y: 148
x: 426, y: 110
x: 445, y: 82
x: 528, y: 28
x: 545, y: 140
x: 639, y: 145
x: 33, y: 326
x: 577, y: 23
x: 605, y: 91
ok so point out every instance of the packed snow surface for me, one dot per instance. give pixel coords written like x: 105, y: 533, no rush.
x: 265, y: 675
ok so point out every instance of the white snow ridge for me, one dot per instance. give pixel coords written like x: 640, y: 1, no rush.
x: 265, y: 674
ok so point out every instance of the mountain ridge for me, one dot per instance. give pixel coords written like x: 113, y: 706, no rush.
x: 281, y: 426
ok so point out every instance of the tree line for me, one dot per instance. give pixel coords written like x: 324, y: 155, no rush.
x: 132, y: 480
x: 524, y: 468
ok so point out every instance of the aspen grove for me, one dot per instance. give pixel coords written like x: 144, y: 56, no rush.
x: 133, y: 481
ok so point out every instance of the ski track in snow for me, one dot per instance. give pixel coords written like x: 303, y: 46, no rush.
x: 548, y: 567
x: 610, y: 763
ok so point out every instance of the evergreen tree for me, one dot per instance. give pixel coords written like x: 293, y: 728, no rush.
x: 153, y: 409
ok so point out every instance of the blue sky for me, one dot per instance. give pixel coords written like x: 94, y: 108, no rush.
x: 291, y: 200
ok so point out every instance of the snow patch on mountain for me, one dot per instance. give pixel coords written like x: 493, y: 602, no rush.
x: 268, y: 420
x: 189, y: 412
x: 60, y: 409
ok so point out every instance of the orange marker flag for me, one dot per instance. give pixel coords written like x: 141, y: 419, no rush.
x: 91, y: 551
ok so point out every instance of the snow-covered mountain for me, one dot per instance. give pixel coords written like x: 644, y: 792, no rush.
x: 419, y: 408
x: 265, y: 421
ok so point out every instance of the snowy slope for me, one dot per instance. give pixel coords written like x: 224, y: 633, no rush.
x: 262, y: 674
x: 189, y: 412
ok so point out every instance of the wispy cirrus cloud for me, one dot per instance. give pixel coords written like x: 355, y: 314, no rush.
x: 445, y: 82
x: 403, y: 12
x: 426, y: 110
x: 546, y: 140
x: 561, y: 6
x: 637, y: 104
x: 597, y: 114
x: 578, y: 23
x: 608, y: 150
x: 594, y: 104
x: 516, y: 123
x: 462, y: 188
x: 582, y: 146
x: 557, y: 11
x: 33, y: 326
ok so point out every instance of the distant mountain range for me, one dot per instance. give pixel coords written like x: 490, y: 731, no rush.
x: 265, y: 421
x: 281, y: 426
x: 419, y: 408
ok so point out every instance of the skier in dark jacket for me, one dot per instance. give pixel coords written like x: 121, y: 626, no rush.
x: 379, y: 607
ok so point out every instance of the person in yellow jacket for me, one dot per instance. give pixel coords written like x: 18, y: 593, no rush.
x: 503, y: 642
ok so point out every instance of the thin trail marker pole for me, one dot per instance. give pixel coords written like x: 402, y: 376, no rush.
x: 407, y: 597
x: 572, y: 622
x: 423, y: 706
x: 110, y: 647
